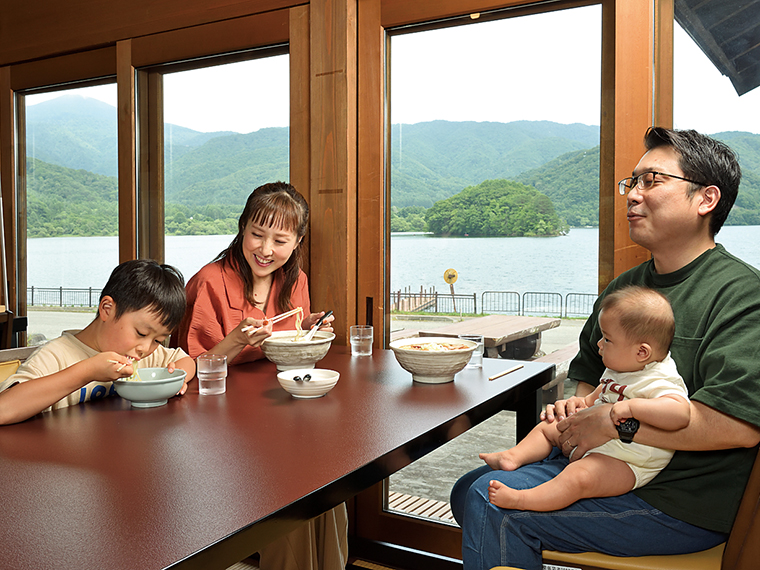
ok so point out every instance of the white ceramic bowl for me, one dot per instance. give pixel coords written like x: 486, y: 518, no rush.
x: 154, y: 388
x: 430, y: 366
x: 321, y: 381
x: 288, y: 354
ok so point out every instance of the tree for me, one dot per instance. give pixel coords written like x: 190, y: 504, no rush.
x: 495, y: 208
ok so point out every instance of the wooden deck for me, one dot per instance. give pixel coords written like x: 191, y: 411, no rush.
x: 438, y: 511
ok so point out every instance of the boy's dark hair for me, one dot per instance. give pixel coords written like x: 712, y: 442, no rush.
x: 141, y: 283
x: 706, y: 160
x: 644, y: 314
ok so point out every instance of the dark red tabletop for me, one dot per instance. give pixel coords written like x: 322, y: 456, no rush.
x: 205, y: 481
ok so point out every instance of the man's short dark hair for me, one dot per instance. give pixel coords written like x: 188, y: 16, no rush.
x: 706, y: 160
x: 141, y: 283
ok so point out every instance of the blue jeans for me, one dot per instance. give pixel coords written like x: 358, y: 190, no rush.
x: 621, y: 526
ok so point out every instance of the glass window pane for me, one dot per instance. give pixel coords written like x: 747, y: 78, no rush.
x: 706, y: 101
x: 225, y: 133
x: 72, y: 207
x: 495, y: 174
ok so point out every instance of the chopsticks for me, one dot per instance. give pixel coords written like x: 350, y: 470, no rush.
x: 123, y: 364
x: 274, y: 319
x: 505, y: 372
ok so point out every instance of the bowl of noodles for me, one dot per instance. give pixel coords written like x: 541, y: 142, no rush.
x: 289, y: 351
x: 433, y: 360
x: 150, y: 387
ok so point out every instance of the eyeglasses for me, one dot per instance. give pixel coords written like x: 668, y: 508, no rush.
x: 645, y: 180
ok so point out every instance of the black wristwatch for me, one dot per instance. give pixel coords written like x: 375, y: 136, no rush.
x: 627, y: 429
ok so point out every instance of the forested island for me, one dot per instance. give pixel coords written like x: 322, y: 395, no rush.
x: 495, y: 208
x: 449, y: 178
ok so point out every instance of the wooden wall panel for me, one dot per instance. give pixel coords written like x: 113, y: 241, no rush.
x: 333, y: 161
x: 300, y: 113
x: 373, y: 200
x: 8, y: 184
x: 663, y: 54
x: 125, y: 74
x: 219, y: 37
x: 627, y: 112
x: 65, y: 69
x: 150, y: 176
x: 400, y: 12
x: 31, y: 30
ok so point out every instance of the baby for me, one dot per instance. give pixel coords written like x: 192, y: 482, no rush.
x: 642, y: 383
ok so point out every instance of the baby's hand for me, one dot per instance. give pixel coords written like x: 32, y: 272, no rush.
x: 562, y: 409
x: 620, y: 412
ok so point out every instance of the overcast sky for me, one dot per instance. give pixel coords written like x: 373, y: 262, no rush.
x: 526, y: 68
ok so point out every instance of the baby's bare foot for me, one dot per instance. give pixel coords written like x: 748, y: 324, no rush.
x: 502, y: 496
x: 501, y: 460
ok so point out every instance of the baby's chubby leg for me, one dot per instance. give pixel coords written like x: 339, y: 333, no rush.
x: 535, y: 446
x: 595, y: 475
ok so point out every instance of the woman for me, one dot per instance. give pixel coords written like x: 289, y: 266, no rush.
x: 228, y: 303
x: 256, y: 278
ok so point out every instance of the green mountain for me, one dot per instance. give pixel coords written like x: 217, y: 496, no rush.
x: 432, y: 161
x: 225, y: 169
x: 572, y: 182
x: 66, y: 202
x: 209, y: 175
x: 80, y: 133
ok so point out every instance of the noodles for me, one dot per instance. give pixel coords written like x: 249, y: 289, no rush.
x: 299, y: 321
x: 436, y: 346
x: 134, y: 376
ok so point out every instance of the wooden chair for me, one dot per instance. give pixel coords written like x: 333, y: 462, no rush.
x: 11, y: 359
x: 740, y: 552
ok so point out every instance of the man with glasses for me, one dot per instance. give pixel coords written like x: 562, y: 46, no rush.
x: 678, y: 197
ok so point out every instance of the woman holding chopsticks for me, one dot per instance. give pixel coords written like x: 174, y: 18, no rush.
x: 235, y: 302
x: 253, y: 287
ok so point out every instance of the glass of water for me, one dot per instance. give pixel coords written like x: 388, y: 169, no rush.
x: 212, y: 374
x: 361, y: 340
x: 476, y: 360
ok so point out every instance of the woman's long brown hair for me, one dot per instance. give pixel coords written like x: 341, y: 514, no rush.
x: 276, y: 204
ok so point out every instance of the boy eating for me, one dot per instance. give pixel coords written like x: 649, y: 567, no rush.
x: 142, y: 303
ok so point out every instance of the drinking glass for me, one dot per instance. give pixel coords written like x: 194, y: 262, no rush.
x: 476, y: 360
x: 361, y: 340
x: 212, y: 374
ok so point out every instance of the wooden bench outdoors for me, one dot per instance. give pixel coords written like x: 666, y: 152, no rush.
x: 561, y: 358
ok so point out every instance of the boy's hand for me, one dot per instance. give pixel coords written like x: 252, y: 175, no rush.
x: 110, y: 366
x: 188, y: 365
x: 171, y: 368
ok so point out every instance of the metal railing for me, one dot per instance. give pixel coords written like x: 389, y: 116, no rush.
x: 539, y: 303
x: 506, y: 302
x: 62, y: 297
x: 579, y: 304
x: 501, y: 302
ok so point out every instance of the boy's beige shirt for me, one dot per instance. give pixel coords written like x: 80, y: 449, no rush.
x: 67, y: 350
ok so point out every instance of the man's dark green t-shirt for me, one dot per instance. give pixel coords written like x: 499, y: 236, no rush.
x: 716, y: 302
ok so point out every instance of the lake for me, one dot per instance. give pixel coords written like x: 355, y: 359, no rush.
x: 564, y: 264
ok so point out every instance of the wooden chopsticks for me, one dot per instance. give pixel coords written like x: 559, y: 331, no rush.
x: 274, y: 319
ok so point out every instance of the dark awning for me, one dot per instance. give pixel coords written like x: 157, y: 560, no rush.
x: 728, y: 32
